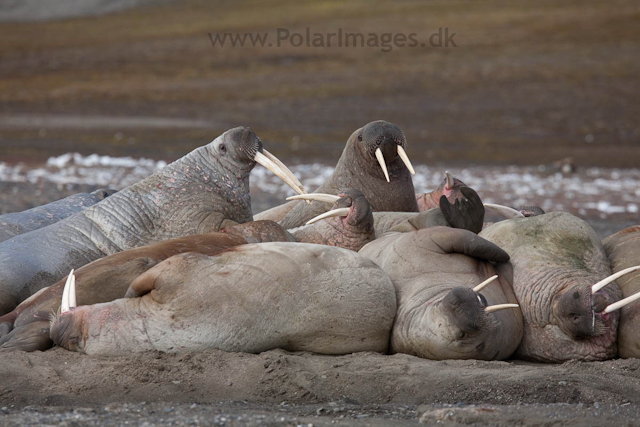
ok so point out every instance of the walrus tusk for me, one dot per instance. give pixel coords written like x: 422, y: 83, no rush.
x: 383, y: 165
x: 284, y: 174
x: 497, y: 307
x: 69, y: 293
x: 604, y: 282
x: 320, y: 197
x: 284, y: 167
x: 405, y: 159
x: 449, y: 184
x: 619, y: 304
x: 331, y: 213
x: 504, y: 210
x: 485, y: 283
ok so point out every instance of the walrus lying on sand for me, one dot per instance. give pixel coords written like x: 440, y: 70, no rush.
x: 204, y: 191
x: 106, y: 279
x: 374, y: 161
x: 14, y: 224
x: 444, y: 311
x: 251, y: 298
x: 623, y: 250
x: 563, y: 283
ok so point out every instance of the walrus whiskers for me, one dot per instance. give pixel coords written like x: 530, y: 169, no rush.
x: 619, y: 304
x: 405, y: 159
x: 504, y: 210
x: 284, y: 174
x: 604, y: 282
x: 497, y: 307
x: 485, y: 283
x: 383, y: 165
x: 329, y: 214
x: 69, y: 293
x: 320, y: 197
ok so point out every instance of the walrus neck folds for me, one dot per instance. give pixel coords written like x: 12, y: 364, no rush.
x: 189, y: 196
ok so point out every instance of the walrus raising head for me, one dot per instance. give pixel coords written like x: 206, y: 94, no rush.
x: 384, y: 142
x: 373, y: 161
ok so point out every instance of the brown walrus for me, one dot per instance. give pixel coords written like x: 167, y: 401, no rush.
x: 440, y: 313
x: 204, y: 191
x: 623, y: 250
x: 27, y: 326
x: 374, y: 162
x: 250, y: 298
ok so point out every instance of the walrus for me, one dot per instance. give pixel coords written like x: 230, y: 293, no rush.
x: 563, y: 282
x: 623, y: 251
x: 204, y: 191
x: 13, y: 224
x: 374, y: 162
x: 249, y: 298
x: 106, y: 279
x: 348, y: 225
x: 444, y: 311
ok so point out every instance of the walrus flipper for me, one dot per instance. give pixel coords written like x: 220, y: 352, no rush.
x: 466, y: 213
x: 454, y: 240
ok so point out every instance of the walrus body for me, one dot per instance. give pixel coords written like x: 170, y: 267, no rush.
x: 358, y: 168
x: 202, y: 192
x: 439, y: 315
x: 556, y: 257
x: 251, y: 298
x: 623, y: 250
x: 14, y: 224
x: 103, y: 280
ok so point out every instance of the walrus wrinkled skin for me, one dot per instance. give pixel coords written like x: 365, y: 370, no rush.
x: 556, y: 257
x: 251, y: 298
x: 106, y: 279
x: 14, y: 224
x: 358, y: 168
x: 352, y: 231
x: 623, y: 250
x: 204, y: 191
x: 439, y: 315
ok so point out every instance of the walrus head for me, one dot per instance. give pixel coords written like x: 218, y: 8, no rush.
x: 468, y: 311
x: 350, y: 218
x: 239, y: 149
x: 385, y: 143
x: 583, y: 311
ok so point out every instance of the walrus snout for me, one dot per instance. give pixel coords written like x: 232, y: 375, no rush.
x: 578, y: 313
x: 465, y: 309
x: 243, y: 140
x: 64, y: 329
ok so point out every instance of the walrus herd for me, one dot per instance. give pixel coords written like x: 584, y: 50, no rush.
x: 178, y: 262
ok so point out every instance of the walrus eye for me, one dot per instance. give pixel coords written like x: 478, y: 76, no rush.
x: 222, y: 148
x: 360, y: 138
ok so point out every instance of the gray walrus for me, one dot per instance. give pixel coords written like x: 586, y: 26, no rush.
x: 374, y: 161
x: 204, y: 191
x: 13, y: 224
x: 440, y: 314
x: 250, y: 298
x: 623, y: 250
x: 558, y: 261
